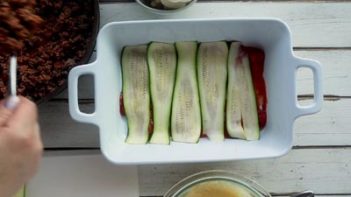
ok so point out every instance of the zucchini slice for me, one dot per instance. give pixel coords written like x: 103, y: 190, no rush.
x: 212, y: 78
x: 136, y: 95
x: 186, y: 115
x: 242, y: 115
x: 162, y: 61
x: 233, y: 111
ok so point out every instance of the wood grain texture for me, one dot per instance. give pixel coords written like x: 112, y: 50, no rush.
x: 325, y: 171
x: 58, y: 129
x: 297, y: 171
x: 330, y: 127
x: 313, y: 24
x: 336, y: 67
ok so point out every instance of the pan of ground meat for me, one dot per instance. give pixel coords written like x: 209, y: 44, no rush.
x: 49, y: 38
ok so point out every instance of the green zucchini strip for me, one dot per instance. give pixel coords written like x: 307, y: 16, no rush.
x: 162, y: 61
x: 212, y: 78
x: 136, y: 95
x: 186, y: 115
x: 243, y: 113
x: 233, y: 111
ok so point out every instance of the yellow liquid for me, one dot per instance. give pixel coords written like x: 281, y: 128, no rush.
x: 217, y: 188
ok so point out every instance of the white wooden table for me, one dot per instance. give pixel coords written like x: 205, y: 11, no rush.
x: 321, y: 157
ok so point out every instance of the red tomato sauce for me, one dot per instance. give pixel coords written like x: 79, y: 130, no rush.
x: 256, y: 57
x: 122, y: 111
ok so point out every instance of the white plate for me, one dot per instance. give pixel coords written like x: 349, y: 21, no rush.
x: 272, y: 35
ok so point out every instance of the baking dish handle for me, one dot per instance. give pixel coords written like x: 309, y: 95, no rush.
x: 73, y: 78
x: 318, y: 93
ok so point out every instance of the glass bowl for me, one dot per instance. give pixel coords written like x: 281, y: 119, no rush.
x: 183, y: 186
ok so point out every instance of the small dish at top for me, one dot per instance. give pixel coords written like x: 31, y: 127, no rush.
x: 164, y: 7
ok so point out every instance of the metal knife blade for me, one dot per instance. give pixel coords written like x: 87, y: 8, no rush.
x: 13, y: 76
x: 12, y: 100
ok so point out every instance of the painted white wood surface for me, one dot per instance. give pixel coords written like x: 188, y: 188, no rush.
x: 325, y: 171
x: 313, y: 24
x: 82, y: 176
x: 336, y: 66
x: 330, y: 127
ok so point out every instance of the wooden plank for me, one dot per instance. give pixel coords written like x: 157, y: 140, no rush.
x: 275, y: 195
x: 150, y: 189
x: 328, y: 128
x: 331, y: 159
x: 313, y: 24
x: 82, y: 176
x: 58, y: 129
x: 324, y: 171
x: 336, y: 68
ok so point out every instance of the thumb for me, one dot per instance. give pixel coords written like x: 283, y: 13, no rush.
x: 4, y: 114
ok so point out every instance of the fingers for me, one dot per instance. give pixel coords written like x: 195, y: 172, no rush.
x: 11, y: 102
x: 24, y: 123
x: 25, y: 114
x: 4, y: 114
x: 36, y: 147
x: 38, y: 137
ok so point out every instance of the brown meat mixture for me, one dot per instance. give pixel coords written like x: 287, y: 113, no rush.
x: 50, y: 51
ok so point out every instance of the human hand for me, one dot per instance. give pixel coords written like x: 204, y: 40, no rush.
x: 20, y: 146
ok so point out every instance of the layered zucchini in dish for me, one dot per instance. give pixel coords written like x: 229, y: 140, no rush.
x: 186, y: 114
x: 162, y: 62
x: 136, y: 93
x: 187, y: 90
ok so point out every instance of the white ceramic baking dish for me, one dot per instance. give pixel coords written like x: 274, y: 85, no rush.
x: 281, y: 65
